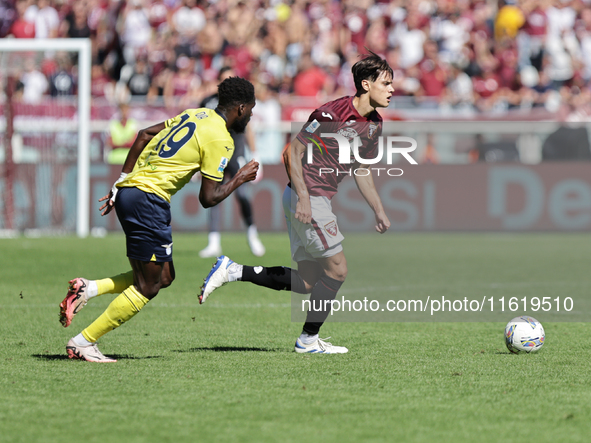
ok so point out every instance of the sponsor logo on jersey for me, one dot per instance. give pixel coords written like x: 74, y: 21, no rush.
x: 348, y: 133
x: 201, y: 115
x: 350, y: 122
x: 223, y: 164
x: 331, y: 228
x: 327, y: 115
x: 313, y: 126
x: 373, y: 129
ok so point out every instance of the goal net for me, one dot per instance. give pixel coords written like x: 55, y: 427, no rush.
x: 44, y: 142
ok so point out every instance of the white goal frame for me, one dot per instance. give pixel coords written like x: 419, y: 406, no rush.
x: 83, y: 47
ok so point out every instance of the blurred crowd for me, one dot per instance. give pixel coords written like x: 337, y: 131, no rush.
x: 478, y: 55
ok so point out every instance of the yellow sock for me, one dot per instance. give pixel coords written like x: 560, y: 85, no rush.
x: 115, y: 285
x: 122, y: 309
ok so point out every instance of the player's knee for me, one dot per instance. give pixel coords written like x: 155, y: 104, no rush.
x: 149, y: 290
x: 339, y: 273
x: 166, y: 281
x: 308, y: 286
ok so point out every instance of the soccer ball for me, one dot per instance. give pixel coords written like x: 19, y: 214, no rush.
x: 524, y: 334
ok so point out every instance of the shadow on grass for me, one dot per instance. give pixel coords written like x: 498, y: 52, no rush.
x: 228, y: 349
x: 115, y: 356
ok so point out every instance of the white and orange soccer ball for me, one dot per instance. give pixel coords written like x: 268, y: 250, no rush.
x: 524, y: 334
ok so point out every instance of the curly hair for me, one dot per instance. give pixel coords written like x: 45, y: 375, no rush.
x: 235, y: 91
x: 369, y: 68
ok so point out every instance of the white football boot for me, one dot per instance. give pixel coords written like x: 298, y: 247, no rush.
x: 89, y: 353
x: 217, y: 277
x: 319, y: 347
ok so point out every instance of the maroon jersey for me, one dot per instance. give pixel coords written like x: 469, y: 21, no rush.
x: 336, y: 117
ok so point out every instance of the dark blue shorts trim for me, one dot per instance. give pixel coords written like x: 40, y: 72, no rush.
x: 145, y: 219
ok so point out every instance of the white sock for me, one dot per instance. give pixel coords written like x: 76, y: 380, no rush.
x: 252, y: 231
x: 235, y: 272
x: 92, y: 289
x: 308, y: 339
x: 81, y: 341
x: 214, y: 239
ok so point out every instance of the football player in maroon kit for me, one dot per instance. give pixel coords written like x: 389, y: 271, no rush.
x: 315, y: 237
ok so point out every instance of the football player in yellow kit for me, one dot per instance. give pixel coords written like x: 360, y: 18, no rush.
x: 161, y: 161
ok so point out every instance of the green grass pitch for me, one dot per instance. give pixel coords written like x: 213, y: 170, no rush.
x: 226, y: 371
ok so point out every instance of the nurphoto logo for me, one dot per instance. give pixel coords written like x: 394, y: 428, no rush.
x: 393, y: 145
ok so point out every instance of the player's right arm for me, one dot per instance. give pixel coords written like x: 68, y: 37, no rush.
x: 292, y: 157
x: 141, y: 141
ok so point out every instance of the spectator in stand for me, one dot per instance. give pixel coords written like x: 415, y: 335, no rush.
x: 507, y: 65
x: 311, y: 81
x: 583, y: 30
x: 410, y: 37
x: 34, y: 83
x: 561, y: 44
x: 432, y: 73
x: 531, y: 38
x: 62, y: 82
x: 47, y: 20
x: 136, y: 30
x: 509, y: 20
x: 8, y: 15
x: 182, y: 86
x: 211, y: 41
x: 122, y: 133
x: 486, y: 86
x: 24, y: 26
x: 452, y: 31
x: 188, y: 20
x: 265, y: 115
x: 459, y: 90
x: 101, y: 85
x: 140, y: 80
x: 158, y: 15
x: 75, y: 24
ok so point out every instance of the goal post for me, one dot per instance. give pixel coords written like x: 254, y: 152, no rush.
x: 83, y: 49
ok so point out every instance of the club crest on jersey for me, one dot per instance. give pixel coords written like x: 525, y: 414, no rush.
x: 313, y: 126
x: 332, y: 228
x: 348, y: 133
x: 373, y: 129
x: 223, y: 164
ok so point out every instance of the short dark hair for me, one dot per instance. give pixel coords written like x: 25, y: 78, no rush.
x: 369, y: 68
x: 235, y: 91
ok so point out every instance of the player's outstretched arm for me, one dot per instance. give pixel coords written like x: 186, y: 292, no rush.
x: 292, y: 157
x: 368, y: 189
x: 212, y: 192
x: 141, y: 141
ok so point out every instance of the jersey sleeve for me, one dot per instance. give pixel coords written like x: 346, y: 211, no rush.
x: 215, y: 156
x: 319, y: 121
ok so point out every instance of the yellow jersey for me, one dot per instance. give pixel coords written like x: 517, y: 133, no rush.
x: 195, y: 140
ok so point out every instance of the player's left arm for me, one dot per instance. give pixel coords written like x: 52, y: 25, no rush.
x: 141, y: 141
x: 213, y: 192
x: 215, y: 156
x: 368, y: 189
